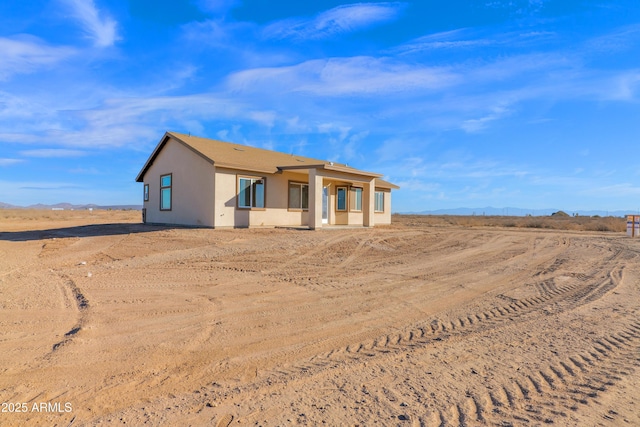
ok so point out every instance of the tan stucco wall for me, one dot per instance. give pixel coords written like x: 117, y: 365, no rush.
x: 225, y: 203
x: 383, y: 218
x: 192, y: 187
x: 196, y: 181
x: 348, y: 217
x: 276, y: 212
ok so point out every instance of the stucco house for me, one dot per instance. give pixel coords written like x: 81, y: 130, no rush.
x: 202, y: 182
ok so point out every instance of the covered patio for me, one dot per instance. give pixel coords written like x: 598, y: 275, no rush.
x: 338, y: 195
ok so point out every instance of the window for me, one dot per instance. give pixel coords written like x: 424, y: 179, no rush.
x: 341, y: 198
x: 379, y: 201
x: 146, y: 192
x: 356, y: 198
x: 165, y: 192
x: 250, y: 192
x: 298, y: 196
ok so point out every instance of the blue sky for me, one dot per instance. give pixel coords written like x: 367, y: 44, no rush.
x: 533, y: 104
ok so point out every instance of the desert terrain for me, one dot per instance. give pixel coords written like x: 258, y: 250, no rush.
x: 427, y: 322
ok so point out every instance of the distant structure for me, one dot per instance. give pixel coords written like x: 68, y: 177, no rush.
x: 633, y: 225
x: 203, y: 182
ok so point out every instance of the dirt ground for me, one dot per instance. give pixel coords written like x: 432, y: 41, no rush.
x: 106, y: 321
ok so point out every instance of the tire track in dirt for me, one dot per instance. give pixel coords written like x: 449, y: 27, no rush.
x: 82, y: 305
x: 435, y: 329
x: 355, y: 254
x: 317, y: 249
x: 225, y: 421
x: 549, y: 393
x: 468, y: 257
x: 603, y: 278
x: 55, y: 245
x: 309, y: 269
x: 368, y: 242
x: 539, y: 396
x: 421, y: 334
x: 532, y: 395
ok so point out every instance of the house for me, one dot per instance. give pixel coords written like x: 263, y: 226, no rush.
x: 203, y: 182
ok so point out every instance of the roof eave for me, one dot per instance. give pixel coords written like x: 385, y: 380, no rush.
x: 152, y: 157
x: 347, y: 169
x: 160, y: 146
x: 331, y: 167
x: 244, y: 168
x: 388, y: 185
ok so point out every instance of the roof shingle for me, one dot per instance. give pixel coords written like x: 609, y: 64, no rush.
x: 243, y: 157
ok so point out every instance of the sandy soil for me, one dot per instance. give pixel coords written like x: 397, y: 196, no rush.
x: 411, y: 324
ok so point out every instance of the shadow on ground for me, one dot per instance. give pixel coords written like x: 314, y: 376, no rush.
x: 81, y: 231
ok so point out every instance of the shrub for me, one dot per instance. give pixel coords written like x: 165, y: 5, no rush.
x: 534, y: 224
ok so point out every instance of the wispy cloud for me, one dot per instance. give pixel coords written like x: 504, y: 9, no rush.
x: 24, y: 53
x: 51, y: 187
x: 133, y: 122
x: 465, y: 38
x: 216, y: 6
x: 417, y: 98
x: 518, y: 7
x: 460, y: 38
x: 218, y: 34
x: 336, y: 21
x: 98, y: 25
x: 455, y: 167
x: 52, y: 153
x: 476, y: 125
x: 397, y: 93
x: 624, y: 189
x: 344, y: 76
x: 419, y: 185
x: 616, y: 41
x: 85, y: 171
x: 625, y: 86
x: 9, y: 162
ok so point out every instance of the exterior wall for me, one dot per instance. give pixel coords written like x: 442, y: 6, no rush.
x: 191, y: 190
x: 337, y: 217
x: 225, y: 203
x: 276, y: 211
x: 355, y: 218
x: 348, y: 217
x: 195, y: 182
x: 384, y: 218
x: 342, y: 218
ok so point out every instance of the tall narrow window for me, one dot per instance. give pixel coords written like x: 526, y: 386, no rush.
x: 165, y: 192
x: 250, y: 192
x: 341, y: 198
x: 244, y: 193
x: 379, y: 201
x: 356, y: 198
x: 146, y: 192
x: 298, y: 196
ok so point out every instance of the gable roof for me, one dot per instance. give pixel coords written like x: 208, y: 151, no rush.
x: 237, y: 156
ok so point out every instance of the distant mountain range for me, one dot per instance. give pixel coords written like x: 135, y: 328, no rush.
x: 69, y: 206
x: 489, y: 210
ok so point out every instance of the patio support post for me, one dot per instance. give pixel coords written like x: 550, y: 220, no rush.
x: 368, y: 203
x: 315, y: 199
